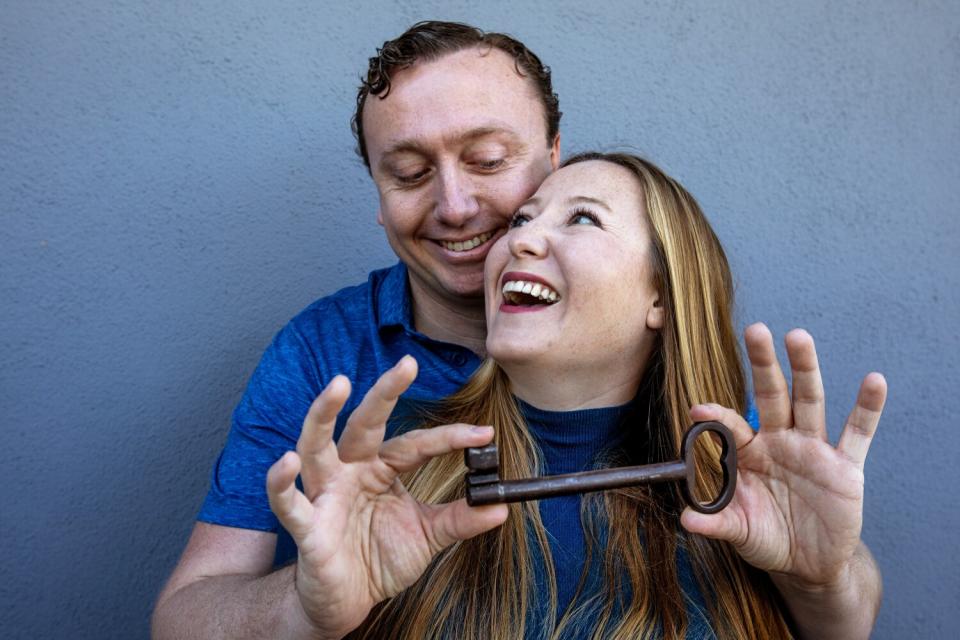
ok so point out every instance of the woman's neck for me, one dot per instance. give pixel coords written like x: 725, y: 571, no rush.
x: 570, y: 390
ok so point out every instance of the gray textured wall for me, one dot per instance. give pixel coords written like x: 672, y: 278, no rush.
x: 177, y: 180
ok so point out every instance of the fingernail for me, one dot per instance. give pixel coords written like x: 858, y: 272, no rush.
x: 481, y: 429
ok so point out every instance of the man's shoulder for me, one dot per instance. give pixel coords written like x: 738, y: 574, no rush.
x: 351, y: 305
x: 343, y: 331
x: 337, y: 334
x: 350, y: 299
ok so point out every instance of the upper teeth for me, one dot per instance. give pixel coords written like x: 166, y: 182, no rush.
x: 466, y: 245
x: 534, y: 289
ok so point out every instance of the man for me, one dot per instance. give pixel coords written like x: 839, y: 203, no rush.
x: 457, y: 129
x: 454, y: 144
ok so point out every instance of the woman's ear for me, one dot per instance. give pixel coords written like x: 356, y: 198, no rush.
x: 655, y: 315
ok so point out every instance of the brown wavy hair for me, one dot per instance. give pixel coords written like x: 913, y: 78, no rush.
x: 483, y: 587
x: 429, y: 40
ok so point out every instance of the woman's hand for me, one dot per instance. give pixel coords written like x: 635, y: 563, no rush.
x: 798, y: 507
x: 361, y: 537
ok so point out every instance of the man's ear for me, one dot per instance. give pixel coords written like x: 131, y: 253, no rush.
x: 380, y: 216
x: 555, y: 152
x: 655, y: 315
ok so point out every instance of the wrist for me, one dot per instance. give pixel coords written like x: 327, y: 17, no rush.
x: 302, y: 625
x: 831, y: 587
x: 845, y: 606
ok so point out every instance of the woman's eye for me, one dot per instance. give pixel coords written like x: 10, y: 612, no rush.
x: 518, y: 220
x: 584, y: 217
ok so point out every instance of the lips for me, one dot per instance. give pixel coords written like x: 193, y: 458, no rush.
x: 526, y: 292
x: 469, y: 250
x: 466, y: 245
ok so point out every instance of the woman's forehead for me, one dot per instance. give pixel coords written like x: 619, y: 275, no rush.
x: 591, y: 179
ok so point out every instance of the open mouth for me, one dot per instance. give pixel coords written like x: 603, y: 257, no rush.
x: 523, y: 293
x: 467, y: 245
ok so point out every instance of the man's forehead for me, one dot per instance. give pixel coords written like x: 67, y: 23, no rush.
x: 474, y: 64
x: 461, y: 96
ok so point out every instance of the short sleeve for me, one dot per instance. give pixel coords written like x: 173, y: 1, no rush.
x: 265, y: 425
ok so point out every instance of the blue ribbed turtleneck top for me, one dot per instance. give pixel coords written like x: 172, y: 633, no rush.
x: 572, y: 441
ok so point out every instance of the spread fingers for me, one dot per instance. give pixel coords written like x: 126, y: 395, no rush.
x: 366, y: 426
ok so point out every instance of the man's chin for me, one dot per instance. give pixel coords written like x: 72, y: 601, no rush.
x: 471, y: 295
x: 459, y: 290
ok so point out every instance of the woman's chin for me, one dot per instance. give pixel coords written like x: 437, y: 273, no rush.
x: 522, y: 353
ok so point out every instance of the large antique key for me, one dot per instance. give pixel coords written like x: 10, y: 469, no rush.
x: 484, y: 485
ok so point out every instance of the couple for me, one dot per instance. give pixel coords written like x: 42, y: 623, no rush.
x: 627, y: 341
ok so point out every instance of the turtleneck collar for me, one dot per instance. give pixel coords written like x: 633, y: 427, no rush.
x: 571, y: 441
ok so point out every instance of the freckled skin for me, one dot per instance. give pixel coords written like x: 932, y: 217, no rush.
x: 605, y: 322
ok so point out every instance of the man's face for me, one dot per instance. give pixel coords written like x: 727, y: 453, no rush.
x: 454, y: 149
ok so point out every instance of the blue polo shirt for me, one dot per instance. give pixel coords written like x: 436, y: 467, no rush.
x: 359, y: 331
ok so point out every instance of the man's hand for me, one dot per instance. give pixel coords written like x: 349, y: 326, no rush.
x: 798, y: 508
x: 361, y: 537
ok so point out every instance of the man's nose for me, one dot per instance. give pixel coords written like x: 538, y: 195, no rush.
x: 456, y: 199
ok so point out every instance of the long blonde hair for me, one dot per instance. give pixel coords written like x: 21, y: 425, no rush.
x: 484, y: 587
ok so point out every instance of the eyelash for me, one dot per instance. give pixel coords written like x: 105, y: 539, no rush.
x: 586, y: 213
x: 490, y: 165
x: 518, y: 216
x: 414, y: 178
x: 515, y: 219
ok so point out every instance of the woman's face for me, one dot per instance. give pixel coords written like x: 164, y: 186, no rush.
x: 569, y: 287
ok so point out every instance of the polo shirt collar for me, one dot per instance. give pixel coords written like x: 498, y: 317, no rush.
x: 393, y: 300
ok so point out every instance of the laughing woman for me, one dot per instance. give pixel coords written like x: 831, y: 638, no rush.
x: 610, y: 331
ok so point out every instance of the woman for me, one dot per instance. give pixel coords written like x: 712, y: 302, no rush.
x: 609, y: 326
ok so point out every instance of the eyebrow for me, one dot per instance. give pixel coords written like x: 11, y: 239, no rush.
x: 535, y: 201
x: 589, y: 200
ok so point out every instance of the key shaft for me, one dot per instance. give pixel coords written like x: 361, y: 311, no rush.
x: 484, y: 485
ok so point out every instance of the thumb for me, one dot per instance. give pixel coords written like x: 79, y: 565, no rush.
x: 721, y: 526
x: 292, y: 508
x: 456, y: 521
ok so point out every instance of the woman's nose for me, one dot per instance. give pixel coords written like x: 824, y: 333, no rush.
x: 528, y: 241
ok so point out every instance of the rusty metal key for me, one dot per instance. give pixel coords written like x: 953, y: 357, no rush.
x: 484, y: 485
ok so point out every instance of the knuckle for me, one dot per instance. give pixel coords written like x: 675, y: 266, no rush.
x: 416, y: 434
x: 768, y: 393
x: 860, y: 429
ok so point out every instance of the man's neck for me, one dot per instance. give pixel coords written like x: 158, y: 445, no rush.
x: 462, y: 323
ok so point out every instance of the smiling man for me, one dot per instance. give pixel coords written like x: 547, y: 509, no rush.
x: 454, y: 145
x: 458, y: 128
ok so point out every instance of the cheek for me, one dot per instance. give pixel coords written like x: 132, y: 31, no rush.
x: 505, y: 193
x: 493, y: 266
x: 617, y: 300
x: 400, y: 213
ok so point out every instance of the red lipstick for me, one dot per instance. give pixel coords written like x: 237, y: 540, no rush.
x: 523, y: 275
x: 509, y: 276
